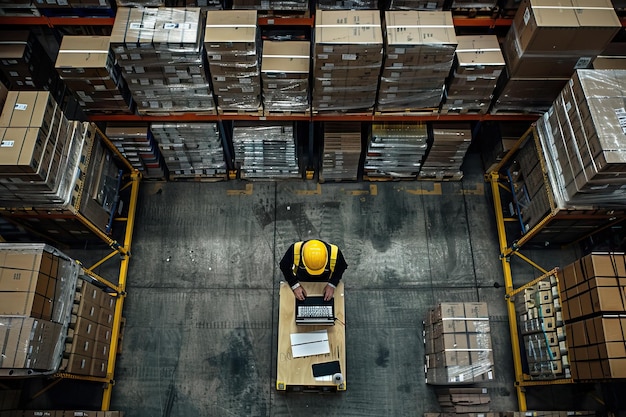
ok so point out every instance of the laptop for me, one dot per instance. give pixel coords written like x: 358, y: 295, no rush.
x: 315, y: 311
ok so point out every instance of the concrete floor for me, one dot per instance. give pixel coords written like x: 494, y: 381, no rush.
x: 202, y: 305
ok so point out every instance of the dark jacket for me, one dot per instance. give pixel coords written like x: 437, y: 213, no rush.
x: 286, y: 266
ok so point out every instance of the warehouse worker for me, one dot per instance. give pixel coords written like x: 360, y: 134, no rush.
x: 313, y: 260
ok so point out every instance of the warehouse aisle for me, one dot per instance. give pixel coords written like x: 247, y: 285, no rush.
x: 202, y: 305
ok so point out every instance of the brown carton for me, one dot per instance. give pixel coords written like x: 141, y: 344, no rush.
x: 84, y: 57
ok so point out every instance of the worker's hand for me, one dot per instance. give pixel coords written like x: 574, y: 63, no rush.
x: 300, y: 293
x: 329, y: 291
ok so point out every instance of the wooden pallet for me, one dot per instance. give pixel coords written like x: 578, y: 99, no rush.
x: 197, y: 177
x: 516, y: 112
x: 440, y: 177
x: 387, y: 178
x: 17, y: 11
x: 287, y: 113
x: 408, y: 112
x: 467, y: 110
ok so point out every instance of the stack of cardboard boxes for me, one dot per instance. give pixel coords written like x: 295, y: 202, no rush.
x: 532, y: 192
x: 583, y: 134
x: 39, y: 146
x: 594, y: 306
x: 346, y: 4
x: 458, y: 344
x: 159, y: 52
x: 285, y: 76
x: 139, y: 148
x: 231, y: 41
x: 86, y: 349
x: 463, y: 400
x: 479, y: 64
x: 272, y: 5
x: 87, y: 67
x: 191, y: 150
x: 540, y: 324
x: 348, y: 54
x: 419, y: 52
x: 24, y: 62
x: 36, y: 289
x: 416, y: 5
x: 547, y: 42
x: 341, y: 152
x: 473, y: 4
x: 450, y: 142
x: 395, y: 150
x: 266, y: 151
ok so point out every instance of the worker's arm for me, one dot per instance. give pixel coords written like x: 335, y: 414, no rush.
x: 286, y: 266
x: 340, y: 267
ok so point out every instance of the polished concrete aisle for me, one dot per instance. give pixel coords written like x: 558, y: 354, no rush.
x: 202, y: 305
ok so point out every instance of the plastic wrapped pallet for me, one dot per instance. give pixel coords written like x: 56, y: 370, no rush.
x: 347, y: 60
x: 139, y: 147
x: 443, y: 161
x: 341, y: 152
x: 266, y: 151
x: 87, y: 67
x: 427, y: 5
x: 395, y: 150
x: 285, y: 76
x: 582, y: 138
x: 160, y: 53
x: 231, y: 41
x: 37, y: 284
x: 458, y: 344
x: 191, y: 150
x: 419, y: 52
x: 479, y: 63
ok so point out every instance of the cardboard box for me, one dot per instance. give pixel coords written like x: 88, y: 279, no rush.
x: 77, y: 364
x: 84, y: 57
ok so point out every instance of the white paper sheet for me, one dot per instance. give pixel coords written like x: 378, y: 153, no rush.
x: 309, y: 343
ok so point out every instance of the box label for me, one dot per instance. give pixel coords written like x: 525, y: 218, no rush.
x: 583, y: 62
x: 20, y: 106
x: 526, y: 15
x: 7, y: 144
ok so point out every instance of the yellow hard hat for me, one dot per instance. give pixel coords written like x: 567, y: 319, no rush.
x: 314, y: 257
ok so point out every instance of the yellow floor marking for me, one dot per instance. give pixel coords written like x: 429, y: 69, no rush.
x: 372, y: 191
x: 317, y: 191
x: 435, y: 191
x: 479, y: 190
x: 247, y: 191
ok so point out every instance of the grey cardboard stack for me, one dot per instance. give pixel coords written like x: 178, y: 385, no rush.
x: 419, y: 52
x: 594, y: 308
x: 266, y: 151
x: 445, y: 157
x: 160, y: 53
x: 458, y: 344
x: 395, y: 150
x: 191, y: 150
x: 87, y: 67
x: 341, y: 153
x: 547, y: 42
x: 60, y: 413
x: 139, y: 148
x: 348, y: 54
x: 231, y: 44
x: 86, y: 349
x: 24, y: 63
x: 416, y: 5
x: 271, y: 5
x: 463, y: 400
x: 40, y: 149
x: 479, y: 63
x: 529, y: 185
x: 285, y: 76
x: 346, y: 4
x: 583, y: 137
x: 36, y: 291
x: 540, y: 325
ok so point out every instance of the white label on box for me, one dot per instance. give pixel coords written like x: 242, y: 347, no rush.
x: 220, y: 79
x: 247, y: 89
x: 392, y: 56
x: 185, y: 26
x: 245, y: 81
x: 328, y: 49
x: 329, y: 65
x: 7, y: 144
x: 398, y: 64
x: 400, y: 50
x: 326, y: 83
x: 621, y: 118
x: 348, y: 57
x: 139, y: 25
x: 472, y: 78
x: 526, y: 16
x: 272, y: 86
x: 583, y: 62
x: 322, y: 56
x: 395, y: 75
x: 216, y: 57
x: 568, y: 106
x: 20, y: 106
